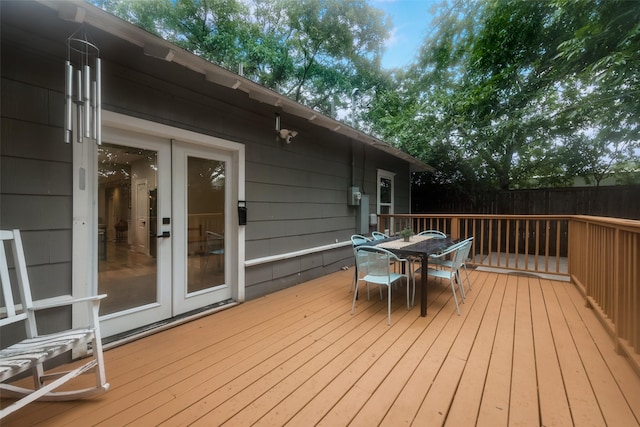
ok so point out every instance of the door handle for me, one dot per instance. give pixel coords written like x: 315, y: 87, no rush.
x: 164, y: 234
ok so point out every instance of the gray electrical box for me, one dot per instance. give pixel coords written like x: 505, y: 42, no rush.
x: 362, y: 223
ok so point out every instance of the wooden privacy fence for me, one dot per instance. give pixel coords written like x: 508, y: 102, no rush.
x: 620, y: 201
x: 600, y: 255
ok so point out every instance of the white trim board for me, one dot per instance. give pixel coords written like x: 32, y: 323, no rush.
x: 294, y: 254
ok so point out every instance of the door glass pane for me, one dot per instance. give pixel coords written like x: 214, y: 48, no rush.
x: 385, y: 190
x: 127, y: 188
x: 205, y: 212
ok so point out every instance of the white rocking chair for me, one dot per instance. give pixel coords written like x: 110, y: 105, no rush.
x: 32, y: 352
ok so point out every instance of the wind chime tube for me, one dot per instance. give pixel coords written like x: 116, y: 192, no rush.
x: 98, y: 101
x: 94, y: 111
x: 79, y: 118
x: 78, y: 84
x: 86, y: 100
x: 68, y: 101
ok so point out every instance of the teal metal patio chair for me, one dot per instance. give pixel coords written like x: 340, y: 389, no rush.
x: 378, y: 235
x: 434, y: 233
x: 464, y: 246
x: 356, y: 240
x: 374, y: 266
x: 450, y: 271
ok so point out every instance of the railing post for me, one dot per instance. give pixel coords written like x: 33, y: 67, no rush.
x: 570, y: 231
x: 590, y: 274
x: 617, y: 315
x: 455, y: 227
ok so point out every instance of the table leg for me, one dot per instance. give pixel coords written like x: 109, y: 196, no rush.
x: 423, y: 293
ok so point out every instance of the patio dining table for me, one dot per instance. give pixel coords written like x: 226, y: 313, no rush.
x: 418, y: 247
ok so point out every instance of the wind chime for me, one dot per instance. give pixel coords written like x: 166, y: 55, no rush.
x: 83, y: 87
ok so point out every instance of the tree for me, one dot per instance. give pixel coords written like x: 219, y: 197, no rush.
x: 509, y: 87
x: 213, y: 29
x: 479, y: 86
x: 602, y: 52
x: 313, y: 51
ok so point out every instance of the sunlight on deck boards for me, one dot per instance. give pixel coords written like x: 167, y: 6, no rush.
x: 524, y: 351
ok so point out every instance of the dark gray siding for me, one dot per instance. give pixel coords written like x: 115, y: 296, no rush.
x: 296, y: 194
x: 36, y: 174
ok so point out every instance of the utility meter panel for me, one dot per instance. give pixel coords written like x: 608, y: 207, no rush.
x: 354, y: 196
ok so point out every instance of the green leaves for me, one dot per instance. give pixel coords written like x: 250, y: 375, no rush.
x: 530, y: 93
x: 314, y: 51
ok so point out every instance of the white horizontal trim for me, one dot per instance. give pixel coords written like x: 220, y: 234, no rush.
x: 289, y: 255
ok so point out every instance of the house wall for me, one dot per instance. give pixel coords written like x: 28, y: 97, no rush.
x: 35, y: 170
x: 296, y: 193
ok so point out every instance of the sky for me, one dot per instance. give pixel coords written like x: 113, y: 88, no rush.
x: 410, y: 24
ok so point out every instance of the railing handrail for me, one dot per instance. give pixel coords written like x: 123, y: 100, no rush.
x: 632, y: 225
x: 505, y: 216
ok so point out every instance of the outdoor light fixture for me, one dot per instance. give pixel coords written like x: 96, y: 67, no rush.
x: 82, y: 87
x: 285, y: 134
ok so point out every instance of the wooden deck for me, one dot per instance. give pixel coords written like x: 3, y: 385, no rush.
x: 526, y: 351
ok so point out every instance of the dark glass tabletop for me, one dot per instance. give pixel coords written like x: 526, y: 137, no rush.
x: 421, y: 249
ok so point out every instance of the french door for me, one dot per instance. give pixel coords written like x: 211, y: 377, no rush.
x: 134, y: 260
x: 201, y: 213
x: 165, y: 233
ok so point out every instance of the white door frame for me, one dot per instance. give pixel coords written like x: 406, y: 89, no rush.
x: 85, y: 210
x: 390, y: 176
x: 183, y: 301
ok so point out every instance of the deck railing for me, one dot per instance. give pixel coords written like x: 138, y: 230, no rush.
x: 600, y: 255
x: 528, y: 243
x: 605, y: 264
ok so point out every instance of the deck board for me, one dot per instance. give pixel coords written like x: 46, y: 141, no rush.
x: 436, y: 406
x: 494, y: 405
x: 611, y: 400
x: 577, y: 388
x: 466, y: 401
x: 524, y: 383
x: 554, y: 407
x: 525, y: 351
x: 622, y: 372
